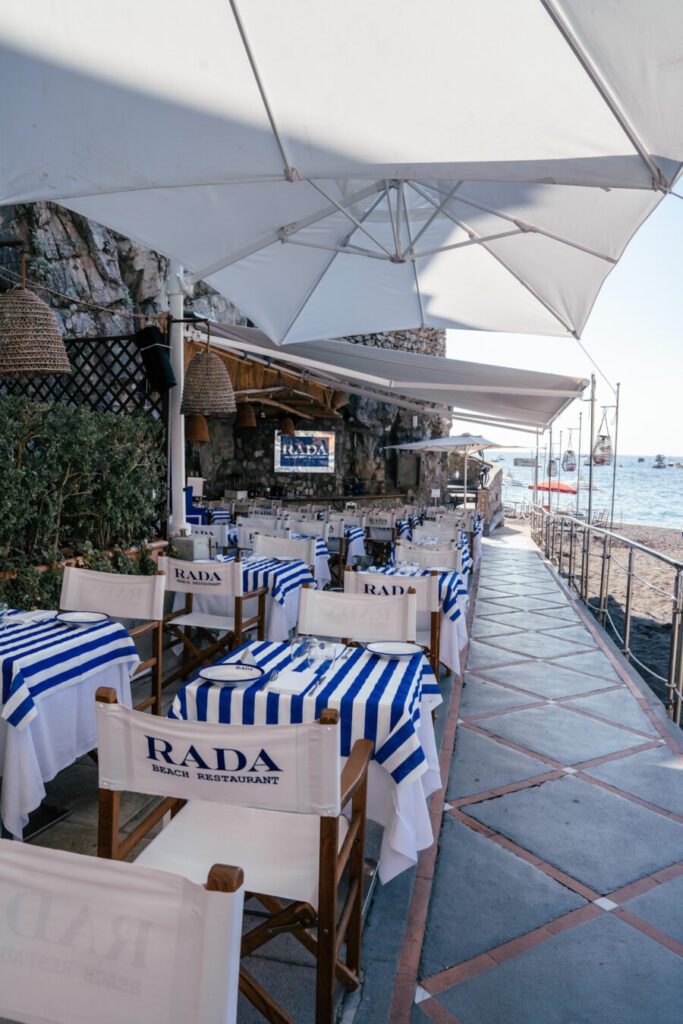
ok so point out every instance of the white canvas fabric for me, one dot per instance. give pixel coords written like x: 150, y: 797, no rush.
x: 118, y: 594
x: 357, y: 617
x: 217, y: 534
x: 85, y: 939
x: 356, y: 200
x: 204, y: 579
x: 282, y: 768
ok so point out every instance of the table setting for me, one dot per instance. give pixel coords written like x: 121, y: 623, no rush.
x: 384, y: 693
x: 454, y: 597
x: 283, y: 580
x: 51, y: 664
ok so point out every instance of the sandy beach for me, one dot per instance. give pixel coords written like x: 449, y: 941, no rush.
x: 652, y: 594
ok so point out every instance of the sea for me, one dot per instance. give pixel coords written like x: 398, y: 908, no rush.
x: 643, y: 494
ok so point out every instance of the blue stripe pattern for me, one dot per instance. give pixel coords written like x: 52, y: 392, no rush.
x: 467, y: 560
x: 219, y: 516
x: 39, y: 656
x: 279, y: 577
x: 389, y: 692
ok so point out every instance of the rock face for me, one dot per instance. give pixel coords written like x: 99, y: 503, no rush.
x: 84, y: 261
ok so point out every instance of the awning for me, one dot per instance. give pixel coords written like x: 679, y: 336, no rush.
x: 500, y: 395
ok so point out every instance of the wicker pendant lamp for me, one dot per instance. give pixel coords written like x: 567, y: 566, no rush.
x: 246, y: 417
x: 339, y: 399
x: 286, y: 426
x: 196, y: 429
x: 208, y: 389
x: 30, y: 340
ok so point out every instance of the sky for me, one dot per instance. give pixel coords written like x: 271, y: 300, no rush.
x: 634, y: 334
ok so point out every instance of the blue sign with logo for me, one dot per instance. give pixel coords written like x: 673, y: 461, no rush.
x: 304, y: 453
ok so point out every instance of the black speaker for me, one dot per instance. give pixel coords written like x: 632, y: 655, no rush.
x: 154, y: 351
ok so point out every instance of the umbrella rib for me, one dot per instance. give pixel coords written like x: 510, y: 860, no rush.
x: 432, y: 218
x: 659, y: 182
x: 354, y: 220
x: 280, y: 235
x: 291, y: 173
x: 477, y: 240
x: 329, y: 263
x: 525, y: 225
x: 391, y: 215
x: 411, y: 245
x: 499, y: 259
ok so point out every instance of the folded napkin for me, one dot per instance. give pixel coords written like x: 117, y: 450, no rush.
x: 291, y: 681
x: 40, y: 615
x: 247, y: 658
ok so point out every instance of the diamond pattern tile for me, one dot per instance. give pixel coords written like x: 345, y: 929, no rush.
x: 547, y: 679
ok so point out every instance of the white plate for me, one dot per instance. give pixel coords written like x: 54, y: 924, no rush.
x: 81, y: 618
x: 393, y: 649
x: 235, y: 673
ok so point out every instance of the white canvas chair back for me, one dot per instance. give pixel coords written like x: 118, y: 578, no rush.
x: 445, y: 555
x: 336, y: 528
x: 119, y: 595
x: 380, y: 520
x: 356, y: 616
x: 377, y: 584
x: 97, y: 940
x: 311, y: 528
x: 214, y: 763
x: 197, y: 485
x: 355, y: 519
x: 264, y: 522
x: 209, y: 579
x: 284, y: 547
x: 241, y: 508
x: 444, y: 533
x: 217, y: 535
x: 247, y: 527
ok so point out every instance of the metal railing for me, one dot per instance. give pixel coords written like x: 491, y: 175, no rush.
x: 589, y: 558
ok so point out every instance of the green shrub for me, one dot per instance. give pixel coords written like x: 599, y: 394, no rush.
x: 76, y: 481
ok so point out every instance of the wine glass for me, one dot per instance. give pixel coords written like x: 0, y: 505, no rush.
x: 4, y: 608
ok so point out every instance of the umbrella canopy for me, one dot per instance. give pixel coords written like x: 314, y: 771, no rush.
x: 553, y: 485
x: 340, y: 175
x: 463, y: 443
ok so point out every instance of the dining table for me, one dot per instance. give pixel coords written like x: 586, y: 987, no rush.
x: 454, y: 600
x: 50, y: 672
x: 388, y: 701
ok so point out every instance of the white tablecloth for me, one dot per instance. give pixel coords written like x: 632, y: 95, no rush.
x: 62, y: 731
x: 370, y: 694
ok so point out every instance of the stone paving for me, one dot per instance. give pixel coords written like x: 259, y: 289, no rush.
x: 555, y: 895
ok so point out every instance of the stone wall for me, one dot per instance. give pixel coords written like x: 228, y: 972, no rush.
x: 83, y: 260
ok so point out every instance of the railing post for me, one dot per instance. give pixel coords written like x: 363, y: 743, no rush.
x: 674, y: 684
x: 561, y: 551
x: 570, y: 570
x: 604, y: 572
x: 588, y: 566
x: 626, y: 650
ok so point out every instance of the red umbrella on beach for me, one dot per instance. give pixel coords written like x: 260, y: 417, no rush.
x: 554, y: 486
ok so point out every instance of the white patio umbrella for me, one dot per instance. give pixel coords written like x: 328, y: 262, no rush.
x: 476, y: 165
x: 465, y: 444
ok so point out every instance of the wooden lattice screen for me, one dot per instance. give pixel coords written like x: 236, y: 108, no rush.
x: 107, y: 375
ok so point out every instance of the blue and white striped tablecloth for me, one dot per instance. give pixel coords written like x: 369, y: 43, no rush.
x: 219, y: 516
x: 467, y: 560
x: 278, y: 576
x: 404, y: 530
x: 40, y: 656
x: 452, y: 587
x: 377, y: 700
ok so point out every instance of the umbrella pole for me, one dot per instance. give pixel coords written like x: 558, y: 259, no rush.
x: 176, y: 424
x: 464, y: 484
x: 614, y: 464
x: 559, y: 472
x: 590, y: 452
x: 536, y: 470
x: 578, y: 468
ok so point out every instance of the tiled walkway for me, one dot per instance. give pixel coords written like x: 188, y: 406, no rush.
x: 556, y: 893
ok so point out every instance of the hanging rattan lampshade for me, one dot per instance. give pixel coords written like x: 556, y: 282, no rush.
x: 246, y: 417
x: 339, y: 399
x: 30, y: 340
x: 196, y: 429
x: 208, y: 389
x: 286, y: 426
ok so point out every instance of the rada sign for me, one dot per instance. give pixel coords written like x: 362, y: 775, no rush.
x: 304, y: 452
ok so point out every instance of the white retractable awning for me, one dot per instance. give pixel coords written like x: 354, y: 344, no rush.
x: 499, y: 394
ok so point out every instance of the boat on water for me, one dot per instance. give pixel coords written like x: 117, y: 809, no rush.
x: 521, y: 460
x: 510, y: 481
x: 659, y: 463
x: 641, y: 459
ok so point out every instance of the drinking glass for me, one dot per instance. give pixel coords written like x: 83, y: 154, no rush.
x: 321, y: 652
x: 4, y: 608
x: 299, y: 648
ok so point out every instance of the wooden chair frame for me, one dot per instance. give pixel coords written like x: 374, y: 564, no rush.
x: 336, y: 922
x: 195, y: 657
